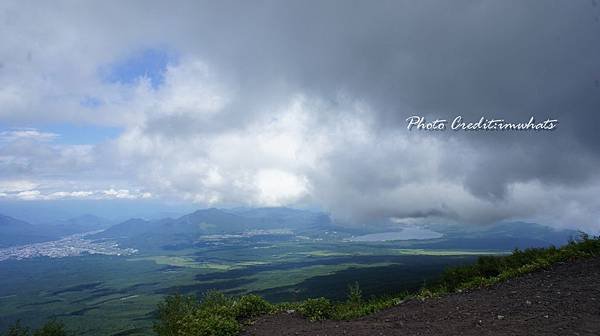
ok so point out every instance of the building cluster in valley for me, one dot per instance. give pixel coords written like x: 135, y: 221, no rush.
x: 74, y: 245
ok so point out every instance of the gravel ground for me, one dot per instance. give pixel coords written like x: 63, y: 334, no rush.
x: 563, y: 300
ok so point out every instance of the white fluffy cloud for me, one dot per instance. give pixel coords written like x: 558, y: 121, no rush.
x: 26, y: 133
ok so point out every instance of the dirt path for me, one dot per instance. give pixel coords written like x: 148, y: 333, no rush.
x: 564, y: 300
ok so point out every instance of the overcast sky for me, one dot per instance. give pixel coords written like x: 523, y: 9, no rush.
x: 304, y: 103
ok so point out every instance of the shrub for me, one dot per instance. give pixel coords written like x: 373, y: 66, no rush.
x: 51, y: 328
x: 215, y: 315
x: 348, y: 310
x: 250, y: 306
x: 200, y: 324
x: 171, y: 312
x: 17, y: 330
x: 214, y: 298
x: 216, y: 303
x: 488, y: 266
x: 316, y: 309
x: 354, y: 293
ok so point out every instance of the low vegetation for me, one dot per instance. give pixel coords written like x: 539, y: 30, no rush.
x: 215, y: 315
x: 51, y: 328
x: 219, y: 315
x: 493, y: 269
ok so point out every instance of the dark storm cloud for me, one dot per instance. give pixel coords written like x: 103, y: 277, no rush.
x: 512, y: 58
x: 499, y: 59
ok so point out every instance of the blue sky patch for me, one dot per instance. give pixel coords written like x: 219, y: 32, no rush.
x: 91, y: 102
x: 82, y: 134
x: 149, y: 63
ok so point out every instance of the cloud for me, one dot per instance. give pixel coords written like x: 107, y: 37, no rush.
x: 16, y: 185
x: 29, y: 195
x: 274, y: 103
x: 71, y: 194
x: 108, y: 194
x: 125, y: 193
x: 26, y: 134
x: 34, y: 167
x: 279, y: 188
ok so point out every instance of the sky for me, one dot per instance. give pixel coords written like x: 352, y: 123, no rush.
x: 304, y: 103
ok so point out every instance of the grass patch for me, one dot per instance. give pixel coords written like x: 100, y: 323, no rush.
x: 444, y: 252
x: 180, y: 261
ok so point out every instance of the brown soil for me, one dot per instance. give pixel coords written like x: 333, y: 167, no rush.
x: 564, y: 300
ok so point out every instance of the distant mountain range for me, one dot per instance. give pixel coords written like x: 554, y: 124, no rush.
x: 186, y: 230
x: 17, y: 232
x: 503, y: 235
